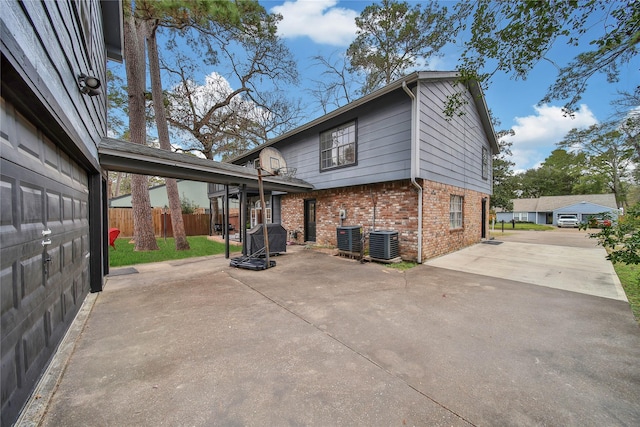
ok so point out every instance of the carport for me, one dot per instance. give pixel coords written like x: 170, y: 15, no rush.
x: 122, y: 156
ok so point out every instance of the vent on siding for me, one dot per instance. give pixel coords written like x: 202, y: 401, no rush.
x: 349, y: 238
x: 383, y: 245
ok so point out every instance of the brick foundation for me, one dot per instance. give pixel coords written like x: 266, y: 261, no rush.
x: 395, y: 209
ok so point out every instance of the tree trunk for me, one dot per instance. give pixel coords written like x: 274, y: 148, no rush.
x: 116, y: 190
x: 173, y: 194
x: 144, y: 237
x: 215, y: 211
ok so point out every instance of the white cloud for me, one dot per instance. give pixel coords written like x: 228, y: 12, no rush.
x: 536, y: 135
x: 194, y: 104
x: 432, y: 63
x: 319, y: 20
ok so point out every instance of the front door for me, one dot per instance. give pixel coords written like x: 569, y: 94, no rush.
x: 310, y: 220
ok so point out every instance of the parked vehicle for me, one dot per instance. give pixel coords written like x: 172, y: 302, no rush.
x: 598, y: 222
x: 568, y: 221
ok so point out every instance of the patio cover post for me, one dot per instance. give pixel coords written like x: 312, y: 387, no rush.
x: 225, y: 226
x: 264, y: 219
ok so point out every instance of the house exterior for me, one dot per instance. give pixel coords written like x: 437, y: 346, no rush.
x: 54, y: 159
x: 408, y: 167
x: 195, y: 191
x: 546, y: 209
x: 393, y: 161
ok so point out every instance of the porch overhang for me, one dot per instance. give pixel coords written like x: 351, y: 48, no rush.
x: 122, y: 156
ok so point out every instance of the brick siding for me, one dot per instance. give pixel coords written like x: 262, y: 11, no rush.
x: 395, y: 209
x: 437, y: 238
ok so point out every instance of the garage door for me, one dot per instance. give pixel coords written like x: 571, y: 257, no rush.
x: 44, y: 252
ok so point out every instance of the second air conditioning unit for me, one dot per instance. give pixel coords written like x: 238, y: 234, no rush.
x: 349, y: 238
x: 383, y: 245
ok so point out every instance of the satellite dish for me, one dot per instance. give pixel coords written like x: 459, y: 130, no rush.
x: 272, y: 161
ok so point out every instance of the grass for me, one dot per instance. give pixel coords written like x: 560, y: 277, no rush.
x: 519, y: 227
x: 522, y: 226
x: 402, y: 266
x: 629, y: 276
x: 200, y: 246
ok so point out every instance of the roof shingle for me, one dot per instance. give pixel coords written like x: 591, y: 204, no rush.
x: 551, y: 203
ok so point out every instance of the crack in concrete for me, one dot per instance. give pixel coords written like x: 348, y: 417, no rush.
x: 352, y: 349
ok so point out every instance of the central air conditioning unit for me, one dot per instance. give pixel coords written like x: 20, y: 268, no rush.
x: 383, y: 245
x: 349, y: 238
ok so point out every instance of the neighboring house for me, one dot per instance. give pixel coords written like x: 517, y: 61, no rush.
x: 54, y: 158
x: 194, y: 191
x: 393, y: 161
x: 545, y: 209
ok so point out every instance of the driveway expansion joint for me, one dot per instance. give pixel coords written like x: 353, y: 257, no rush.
x: 354, y: 350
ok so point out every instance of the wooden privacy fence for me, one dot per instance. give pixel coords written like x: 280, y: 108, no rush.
x: 194, y: 224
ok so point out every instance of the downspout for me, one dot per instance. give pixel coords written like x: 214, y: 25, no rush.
x: 415, y: 158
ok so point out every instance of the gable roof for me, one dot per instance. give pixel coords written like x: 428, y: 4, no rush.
x: 473, y: 86
x: 525, y: 205
x: 551, y: 203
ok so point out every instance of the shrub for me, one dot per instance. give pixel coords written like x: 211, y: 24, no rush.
x: 622, y: 240
x: 188, y: 206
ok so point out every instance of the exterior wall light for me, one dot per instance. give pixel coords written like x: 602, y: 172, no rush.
x: 89, y: 85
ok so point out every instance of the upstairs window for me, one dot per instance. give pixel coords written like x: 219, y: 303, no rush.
x: 338, y: 146
x: 84, y: 12
x: 455, y: 211
x: 485, y: 163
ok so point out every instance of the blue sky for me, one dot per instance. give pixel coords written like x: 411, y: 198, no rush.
x: 323, y: 27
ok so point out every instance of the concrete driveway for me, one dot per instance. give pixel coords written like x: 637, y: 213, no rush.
x: 323, y: 340
x: 561, y: 259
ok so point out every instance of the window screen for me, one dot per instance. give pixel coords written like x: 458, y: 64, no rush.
x: 338, y: 146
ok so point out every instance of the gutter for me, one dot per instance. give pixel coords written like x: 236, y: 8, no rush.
x: 415, y: 158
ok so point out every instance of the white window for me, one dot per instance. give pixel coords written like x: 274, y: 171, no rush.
x: 521, y: 216
x: 455, y: 211
x: 338, y: 146
x: 257, y: 212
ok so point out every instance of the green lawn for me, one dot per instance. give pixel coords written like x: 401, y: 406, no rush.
x: 200, y: 246
x: 630, y: 278
x: 497, y: 232
x: 402, y: 266
x: 520, y: 226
